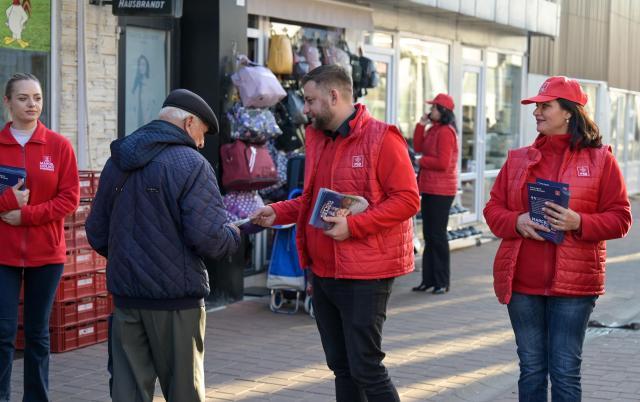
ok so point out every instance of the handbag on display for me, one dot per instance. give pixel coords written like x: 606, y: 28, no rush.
x: 239, y: 205
x: 252, y: 125
x: 247, y: 166
x: 295, y: 107
x: 300, y: 66
x: 334, y: 55
x: 311, y: 54
x: 257, y: 85
x: 280, y: 59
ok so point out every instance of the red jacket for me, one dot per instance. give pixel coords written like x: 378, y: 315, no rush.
x: 52, y: 178
x: 380, y: 245
x: 439, y: 163
x: 598, y: 194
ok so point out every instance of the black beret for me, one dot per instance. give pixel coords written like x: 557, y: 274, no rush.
x: 192, y: 103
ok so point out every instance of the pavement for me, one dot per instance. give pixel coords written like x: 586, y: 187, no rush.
x: 453, y: 347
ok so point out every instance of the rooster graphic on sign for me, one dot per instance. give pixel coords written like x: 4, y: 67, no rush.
x: 17, y: 15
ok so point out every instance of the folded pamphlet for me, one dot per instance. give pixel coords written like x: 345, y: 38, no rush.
x: 10, y: 175
x: 547, y: 191
x: 332, y: 203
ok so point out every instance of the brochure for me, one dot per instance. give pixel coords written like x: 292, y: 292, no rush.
x: 332, y: 203
x: 10, y: 175
x: 543, y: 191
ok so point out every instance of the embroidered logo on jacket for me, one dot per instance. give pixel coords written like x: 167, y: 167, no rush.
x: 46, y: 163
x: 583, y: 171
x: 357, y: 161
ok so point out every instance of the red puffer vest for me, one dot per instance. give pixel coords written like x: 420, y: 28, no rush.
x: 580, y: 265
x: 384, y: 255
x: 438, y: 180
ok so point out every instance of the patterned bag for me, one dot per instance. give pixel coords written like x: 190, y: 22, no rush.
x: 252, y: 125
x: 241, y: 204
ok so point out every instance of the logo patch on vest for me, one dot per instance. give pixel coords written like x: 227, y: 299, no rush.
x: 46, y: 164
x: 583, y: 171
x: 357, y: 161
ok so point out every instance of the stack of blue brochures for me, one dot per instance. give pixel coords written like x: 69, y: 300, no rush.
x: 547, y: 191
x: 9, y: 176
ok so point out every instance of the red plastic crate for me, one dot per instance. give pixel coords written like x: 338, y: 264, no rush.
x: 78, y: 261
x: 88, y: 183
x: 79, y: 216
x: 99, y: 262
x: 72, y: 337
x: 77, y: 286
x: 76, y: 238
x: 76, y: 311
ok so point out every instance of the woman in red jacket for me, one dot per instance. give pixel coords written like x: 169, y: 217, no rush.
x: 550, y: 289
x: 438, y: 183
x: 31, y: 228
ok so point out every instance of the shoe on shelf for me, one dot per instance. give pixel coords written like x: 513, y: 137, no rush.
x: 440, y: 291
x: 421, y: 288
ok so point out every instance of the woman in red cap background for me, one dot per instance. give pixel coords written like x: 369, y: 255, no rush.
x: 550, y: 290
x: 438, y: 183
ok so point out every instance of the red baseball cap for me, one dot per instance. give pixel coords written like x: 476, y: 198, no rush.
x: 443, y: 100
x: 559, y: 87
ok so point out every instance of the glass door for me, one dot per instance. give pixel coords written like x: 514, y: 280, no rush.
x: 471, y: 142
x: 378, y: 99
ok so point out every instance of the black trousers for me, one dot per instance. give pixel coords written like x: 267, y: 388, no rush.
x: 435, y: 259
x: 350, y: 315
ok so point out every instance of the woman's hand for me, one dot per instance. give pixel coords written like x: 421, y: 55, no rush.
x: 560, y: 218
x: 13, y: 218
x: 527, y: 228
x: 424, y: 119
x: 22, y: 196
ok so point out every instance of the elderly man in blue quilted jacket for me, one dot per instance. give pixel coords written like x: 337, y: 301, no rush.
x: 157, y: 213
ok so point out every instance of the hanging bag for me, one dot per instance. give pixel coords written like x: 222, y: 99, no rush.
x: 284, y: 268
x: 280, y: 59
x: 257, y: 85
x: 252, y: 125
x: 247, y: 166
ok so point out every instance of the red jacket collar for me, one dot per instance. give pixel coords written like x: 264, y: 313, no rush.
x: 39, y: 136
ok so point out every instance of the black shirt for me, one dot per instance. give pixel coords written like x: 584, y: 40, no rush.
x: 343, y: 129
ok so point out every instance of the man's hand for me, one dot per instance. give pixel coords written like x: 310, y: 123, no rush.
x: 527, y: 228
x: 234, y: 227
x: 340, y: 229
x: 22, y: 196
x: 560, y: 218
x: 13, y: 218
x: 264, y: 217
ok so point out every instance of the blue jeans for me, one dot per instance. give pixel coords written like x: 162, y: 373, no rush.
x: 549, y: 334
x: 349, y: 315
x: 40, y: 284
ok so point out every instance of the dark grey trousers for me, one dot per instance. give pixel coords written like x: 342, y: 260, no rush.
x: 167, y: 345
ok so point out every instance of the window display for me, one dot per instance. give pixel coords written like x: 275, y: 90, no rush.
x: 504, y: 77
x: 424, y: 72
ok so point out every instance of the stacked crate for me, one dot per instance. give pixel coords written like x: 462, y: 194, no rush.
x: 82, y: 305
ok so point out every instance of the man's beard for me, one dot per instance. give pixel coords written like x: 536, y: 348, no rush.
x: 322, y: 121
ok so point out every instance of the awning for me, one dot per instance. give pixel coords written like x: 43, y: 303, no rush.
x: 320, y: 12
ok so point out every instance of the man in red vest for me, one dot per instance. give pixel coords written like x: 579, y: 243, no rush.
x: 355, y: 262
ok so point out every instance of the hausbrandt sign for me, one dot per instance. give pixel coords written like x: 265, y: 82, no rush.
x: 150, y: 8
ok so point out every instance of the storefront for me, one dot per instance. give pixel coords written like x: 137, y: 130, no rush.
x: 26, y: 46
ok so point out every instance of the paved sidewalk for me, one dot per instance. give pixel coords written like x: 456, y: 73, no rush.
x: 454, y: 347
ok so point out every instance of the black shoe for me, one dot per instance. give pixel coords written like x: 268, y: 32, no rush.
x: 421, y: 288
x: 440, y: 291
